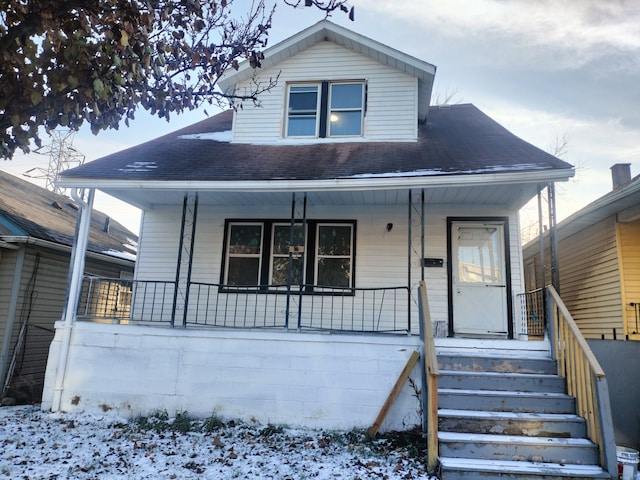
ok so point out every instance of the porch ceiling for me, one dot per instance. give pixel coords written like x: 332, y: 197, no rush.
x: 512, y: 196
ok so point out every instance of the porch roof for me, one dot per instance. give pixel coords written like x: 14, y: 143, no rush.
x: 459, y: 147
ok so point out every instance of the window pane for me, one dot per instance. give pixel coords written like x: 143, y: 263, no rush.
x: 281, y: 271
x: 282, y: 236
x: 479, y: 255
x: 334, y: 272
x: 303, y: 99
x: 346, y: 95
x: 245, y: 239
x: 345, y: 123
x: 302, y: 126
x: 334, y: 240
x: 243, y: 271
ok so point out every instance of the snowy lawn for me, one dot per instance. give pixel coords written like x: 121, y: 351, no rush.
x: 37, y: 445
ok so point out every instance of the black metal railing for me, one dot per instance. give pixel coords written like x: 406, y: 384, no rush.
x: 310, y: 307
x: 120, y: 301
x: 533, y: 311
x: 383, y: 309
x: 216, y: 305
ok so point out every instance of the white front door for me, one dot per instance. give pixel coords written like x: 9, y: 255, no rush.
x: 479, y: 280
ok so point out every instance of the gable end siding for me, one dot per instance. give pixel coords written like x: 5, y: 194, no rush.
x: 391, y: 97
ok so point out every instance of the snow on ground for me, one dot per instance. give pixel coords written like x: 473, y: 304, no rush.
x: 37, y: 445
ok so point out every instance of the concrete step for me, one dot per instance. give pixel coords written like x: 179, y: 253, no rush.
x: 473, y: 468
x: 493, y: 363
x: 512, y: 423
x: 504, y: 401
x: 521, y: 382
x: 578, y: 451
x: 495, y: 347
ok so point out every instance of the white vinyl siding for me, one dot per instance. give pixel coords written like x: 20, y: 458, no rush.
x: 158, y: 244
x: 391, y: 104
x: 381, y: 255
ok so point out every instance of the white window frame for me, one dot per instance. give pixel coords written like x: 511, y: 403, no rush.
x: 345, y: 109
x: 317, y: 111
x: 323, y: 108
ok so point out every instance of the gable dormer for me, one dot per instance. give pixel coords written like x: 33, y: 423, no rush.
x: 333, y: 85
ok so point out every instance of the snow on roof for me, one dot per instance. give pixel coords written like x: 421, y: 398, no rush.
x: 123, y: 255
x: 225, y: 136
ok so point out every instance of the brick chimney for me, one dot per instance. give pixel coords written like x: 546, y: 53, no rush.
x: 620, y: 175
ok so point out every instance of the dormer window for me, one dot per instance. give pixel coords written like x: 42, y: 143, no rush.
x: 304, y: 104
x: 326, y: 109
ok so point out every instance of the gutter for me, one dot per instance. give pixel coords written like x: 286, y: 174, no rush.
x: 348, y: 183
x: 12, y: 242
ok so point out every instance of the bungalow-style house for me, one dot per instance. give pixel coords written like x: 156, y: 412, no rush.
x: 294, y: 255
x: 598, y: 261
x: 37, y: 229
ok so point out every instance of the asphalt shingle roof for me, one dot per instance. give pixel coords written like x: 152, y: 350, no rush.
x: 46, y: 215
x: 458, y: 139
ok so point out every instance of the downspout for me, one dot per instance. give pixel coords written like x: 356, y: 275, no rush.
x: 11, y: 314
x: 76, y: 272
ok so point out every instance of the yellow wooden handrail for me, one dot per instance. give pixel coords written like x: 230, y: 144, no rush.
x: 431, y: 368
x: 573, y: 327
x: 584, y: 375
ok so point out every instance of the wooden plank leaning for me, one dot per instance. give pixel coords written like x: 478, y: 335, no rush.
x: 413, y: 359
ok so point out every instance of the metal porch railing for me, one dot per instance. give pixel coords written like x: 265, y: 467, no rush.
x: 112, y: 300
x: 585, y: 378
x: 370, y: 310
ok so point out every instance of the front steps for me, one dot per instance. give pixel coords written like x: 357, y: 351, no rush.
x: 503, y: 414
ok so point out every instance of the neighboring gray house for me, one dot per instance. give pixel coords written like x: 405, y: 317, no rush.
x: 37, y: 229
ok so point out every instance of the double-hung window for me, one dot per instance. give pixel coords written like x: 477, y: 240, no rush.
x: 304, y: 106
x: 325, y: 109
x: 256, y: 254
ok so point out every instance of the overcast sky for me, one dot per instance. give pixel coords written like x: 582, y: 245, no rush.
x: 543, y: 69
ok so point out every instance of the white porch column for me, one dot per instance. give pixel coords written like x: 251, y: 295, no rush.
x: 74, y: 287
